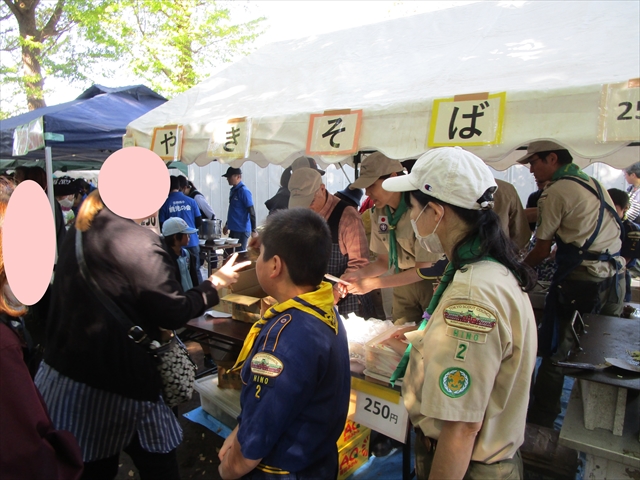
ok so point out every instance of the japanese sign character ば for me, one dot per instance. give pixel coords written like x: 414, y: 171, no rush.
x: 470, y: 131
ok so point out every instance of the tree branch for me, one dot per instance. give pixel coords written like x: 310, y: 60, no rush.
x: 50, y: 28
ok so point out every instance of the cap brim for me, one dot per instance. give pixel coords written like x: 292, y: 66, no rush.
x: 301, y: 201
x: 401, y: 183
x: 363, y: 182
x: 526, y: 159
x: 189, y: 230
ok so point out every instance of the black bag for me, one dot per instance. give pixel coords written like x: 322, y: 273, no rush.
x: 176, y: 368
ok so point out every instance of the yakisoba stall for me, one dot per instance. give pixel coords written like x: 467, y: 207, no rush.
x: 490, y: 77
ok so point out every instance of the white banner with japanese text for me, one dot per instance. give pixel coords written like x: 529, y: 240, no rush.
x: 473, y: 120
x: 231, y: 139
x: 334, y: 132
x: 167, y: 142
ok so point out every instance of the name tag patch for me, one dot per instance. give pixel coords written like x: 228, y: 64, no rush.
x: 262, y: 380
x: 469, y: 317
x: 266, y: 365
x: 466, y: 335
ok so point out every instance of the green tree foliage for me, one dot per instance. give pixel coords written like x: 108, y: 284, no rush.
x: 175, y: 44
x: 171, y: 44
x: 39, y: 39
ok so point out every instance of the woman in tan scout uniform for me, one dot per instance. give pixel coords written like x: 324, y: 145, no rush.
x: 469, y: 365
x: 394, y: 242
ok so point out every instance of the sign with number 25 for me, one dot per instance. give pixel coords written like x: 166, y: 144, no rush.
x: 620, y: 112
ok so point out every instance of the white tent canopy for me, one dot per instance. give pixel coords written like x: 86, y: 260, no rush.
x: 551, y: 59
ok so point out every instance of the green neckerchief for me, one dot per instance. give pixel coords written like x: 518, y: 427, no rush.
x: 394, y: 218
x: 317, y: 303
x: 467, y: 255
x: 570, y: 170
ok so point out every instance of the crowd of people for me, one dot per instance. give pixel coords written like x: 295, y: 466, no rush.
x: 459, y: 256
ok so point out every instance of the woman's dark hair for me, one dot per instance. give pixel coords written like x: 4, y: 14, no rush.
x: 301, y: 238
x: 485, y: 224
x: 619, y: 197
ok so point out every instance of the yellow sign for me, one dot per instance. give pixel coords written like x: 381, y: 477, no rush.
x: 467, y: 120
x: 167, y: 142
x: 334, y: 132
x: 231, y: 139
x: 620, y: 112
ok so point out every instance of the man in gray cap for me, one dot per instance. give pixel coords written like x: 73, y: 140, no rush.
x: 577, y: 211
x: 394, y: 242
x: 349, y: 250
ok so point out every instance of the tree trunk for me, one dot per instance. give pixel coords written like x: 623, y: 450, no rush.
x: 31, y: 68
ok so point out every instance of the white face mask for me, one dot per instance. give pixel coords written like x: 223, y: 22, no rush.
x: 66, y: 202
x: 431, y: 243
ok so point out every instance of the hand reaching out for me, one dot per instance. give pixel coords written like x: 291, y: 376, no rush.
x: 228, y: 274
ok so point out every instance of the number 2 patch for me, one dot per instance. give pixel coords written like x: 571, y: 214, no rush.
x: 461, y: 351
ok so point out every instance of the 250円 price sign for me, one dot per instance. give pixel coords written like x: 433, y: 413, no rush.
x: 380, y: 408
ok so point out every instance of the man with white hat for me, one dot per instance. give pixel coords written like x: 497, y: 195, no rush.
x: 578, y: 212
x: 394, y: 242
x: 349, y: 250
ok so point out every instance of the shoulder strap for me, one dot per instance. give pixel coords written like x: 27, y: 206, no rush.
x: 135, y: 332
x: 603, y: 205
x: 334, y: 220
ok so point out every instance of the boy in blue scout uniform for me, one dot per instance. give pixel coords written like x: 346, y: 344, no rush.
x: 294, y: 363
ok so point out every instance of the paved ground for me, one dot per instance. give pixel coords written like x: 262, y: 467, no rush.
x: 198, y: 453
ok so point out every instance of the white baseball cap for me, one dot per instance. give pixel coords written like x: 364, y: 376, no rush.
x: 450, y: 174
x: 174, y: 225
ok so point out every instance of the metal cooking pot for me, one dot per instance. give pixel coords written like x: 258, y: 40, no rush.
x: 210, y: 229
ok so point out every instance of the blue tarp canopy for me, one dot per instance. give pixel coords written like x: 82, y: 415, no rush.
x: 87, y: 129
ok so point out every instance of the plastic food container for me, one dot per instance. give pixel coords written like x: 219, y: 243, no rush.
x: 381, y: 359
x: 222, y: 404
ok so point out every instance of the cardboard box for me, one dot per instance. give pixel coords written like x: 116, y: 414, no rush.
x: 246, y: 299
x: 350, y: 432
x: 227, y: 380
x: 354, y: 455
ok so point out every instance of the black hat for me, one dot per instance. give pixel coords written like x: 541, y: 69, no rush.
x: 353, y: 196
x: 232, y: 171
x: 64, y: 186
x: 305, y: 162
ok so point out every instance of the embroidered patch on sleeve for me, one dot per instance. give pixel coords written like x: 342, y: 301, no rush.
x: 469, y: 317
x: 461, y: 351
x: 466, y: 335
x: 266, y: 365
x: 454, y: 382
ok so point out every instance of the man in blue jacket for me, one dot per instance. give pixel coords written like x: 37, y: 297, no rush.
x: 179, y: 205
x: 241, y: 219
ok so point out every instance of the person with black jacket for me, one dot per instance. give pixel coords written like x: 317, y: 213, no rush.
x: 96, y: 381
x: 31, y: 448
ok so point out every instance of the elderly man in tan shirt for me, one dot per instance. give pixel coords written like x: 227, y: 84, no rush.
x: 349, y: 250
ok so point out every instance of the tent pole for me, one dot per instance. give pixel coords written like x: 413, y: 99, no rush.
x: 49, y: 169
